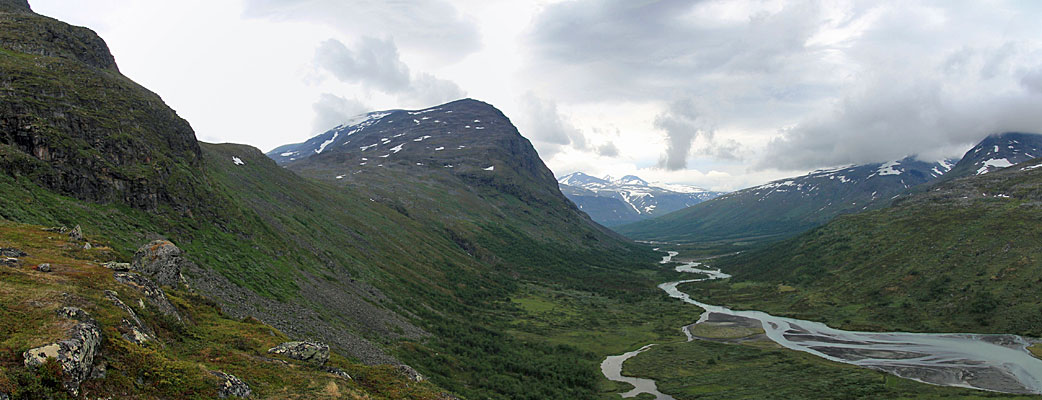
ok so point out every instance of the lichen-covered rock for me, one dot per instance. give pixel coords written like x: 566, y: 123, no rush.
x: 309, y: 352
x: 161, y: 260
x: 152, y: 292
x: 75, y: 313
x: 10, y: 262
x: 76, y: 235
x: 117, y: 266
x: 134, y: 330
x: 75, y: 354
x: 44, y: 267
x: 410, y: 373
x: 4, y: 396
x: 338, y: 372
x: 231, y: 386
x: 11, y: 252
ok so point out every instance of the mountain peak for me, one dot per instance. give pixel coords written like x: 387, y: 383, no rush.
x: 998, y: 151
x: 580, y: 178
x: 632, y: 180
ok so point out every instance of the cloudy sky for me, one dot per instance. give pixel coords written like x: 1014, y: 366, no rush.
x: 720, y: 94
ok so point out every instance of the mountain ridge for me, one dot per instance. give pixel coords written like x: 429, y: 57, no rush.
x: 612, y: 202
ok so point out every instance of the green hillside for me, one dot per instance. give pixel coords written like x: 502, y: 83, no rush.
x: 961, y: 257
x: 787, y: 207
x: 379, y: 274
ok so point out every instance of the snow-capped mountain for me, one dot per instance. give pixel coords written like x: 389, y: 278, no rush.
x: 998, y: 151
x: 611, y: 201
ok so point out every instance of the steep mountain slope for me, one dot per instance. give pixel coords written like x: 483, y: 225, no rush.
x: 461, y: 166
x: 789, y: 206
x: 961, y: 257
x: 142, y: 352
x: 87, y: 130
x: 996, y: 152
x: 613, y: 202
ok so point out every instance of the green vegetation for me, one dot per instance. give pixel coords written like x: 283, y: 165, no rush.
x: 174, y: 367
x: 961, y: 257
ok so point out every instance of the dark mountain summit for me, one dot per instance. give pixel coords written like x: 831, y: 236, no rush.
x: 998, y: 151
x: 458, y: 159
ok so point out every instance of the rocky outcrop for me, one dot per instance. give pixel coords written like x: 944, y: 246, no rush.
x: 231, y: 386
x: 309, y: 352
x: 161, y: 260
x: 117, y: 266
x: 76, y: 314
x: 75, y: 354
x: 152, y: 292
x: 9, y: 256
x: 11, y: 252
x: 338, y: 372
x: 410, y: 372
x: 76, y: 235
x: 134, y: 330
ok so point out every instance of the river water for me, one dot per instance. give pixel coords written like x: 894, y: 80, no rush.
x: 988, y: 362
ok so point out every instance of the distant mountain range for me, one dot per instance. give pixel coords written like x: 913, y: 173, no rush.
x: 611, y: 201
x: 789, y: 206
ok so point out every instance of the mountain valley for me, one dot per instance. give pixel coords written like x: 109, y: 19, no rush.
x: 431, y: 253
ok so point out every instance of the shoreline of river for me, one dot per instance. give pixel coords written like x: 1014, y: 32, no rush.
x: 1000, y: 363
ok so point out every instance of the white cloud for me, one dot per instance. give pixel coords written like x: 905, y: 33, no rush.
x: 332, y: 110
x: 434, y: 29
x: 374, y: 64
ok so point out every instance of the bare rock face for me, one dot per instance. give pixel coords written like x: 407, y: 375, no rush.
x: 75, y: 354
x: 309, y: 352
x: 231, y: 386
x: 161, y: 260
x: 153, y: 293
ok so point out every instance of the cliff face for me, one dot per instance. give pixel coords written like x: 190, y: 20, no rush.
x: 71, y: 122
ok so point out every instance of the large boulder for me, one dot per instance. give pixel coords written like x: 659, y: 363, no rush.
x: 75, y: 354
x: 161, y: 260
x: 231, y: 386
x: 309, y: 352
x: 410, y: 372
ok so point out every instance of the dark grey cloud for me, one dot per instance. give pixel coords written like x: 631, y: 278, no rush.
x: 593, y: 48
x: 434, y: 28
x: 332, y: 110
x: 689, y: 133
x: 898, y: 118
x: 1032, y: 80
x: 844, y: 82
x: 375, y: 64
x: 608, y: 149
